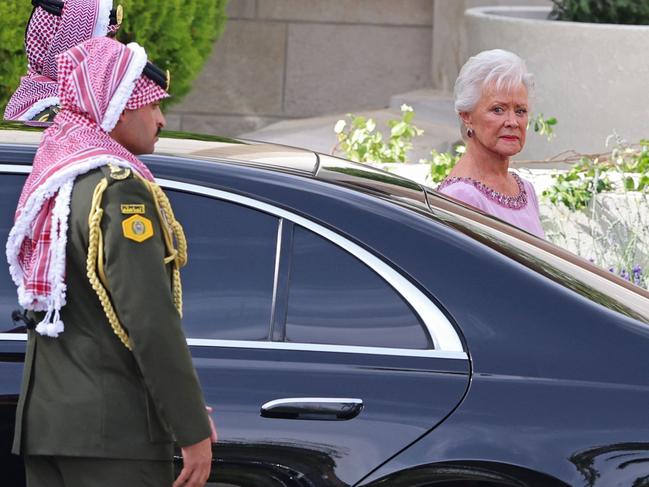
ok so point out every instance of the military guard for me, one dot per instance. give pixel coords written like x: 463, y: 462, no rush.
x: 54, y: 27
x: 95, y: 252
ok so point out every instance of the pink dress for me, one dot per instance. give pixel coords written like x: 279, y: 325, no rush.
x: 521, y: 210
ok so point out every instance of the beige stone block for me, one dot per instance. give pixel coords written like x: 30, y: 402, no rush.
x: 242, y: 9
x: 244, y: 74
x: 391, y: 12
x: 338, y: 68
x: 224, y: 125
x: 174, y: 120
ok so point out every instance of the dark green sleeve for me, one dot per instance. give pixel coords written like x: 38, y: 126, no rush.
x: 140, y: 288
x: 47, y: 115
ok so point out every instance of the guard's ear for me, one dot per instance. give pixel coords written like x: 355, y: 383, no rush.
x: 121, y: 118
x: 118, y: 126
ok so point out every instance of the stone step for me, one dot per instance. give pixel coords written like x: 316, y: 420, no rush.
x: 441, y: 129
x: 431, y: 105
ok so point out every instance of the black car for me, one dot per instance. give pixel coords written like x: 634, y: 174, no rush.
x: 351, y: 327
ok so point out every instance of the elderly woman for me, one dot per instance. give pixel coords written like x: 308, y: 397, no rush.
x: 492, y: 101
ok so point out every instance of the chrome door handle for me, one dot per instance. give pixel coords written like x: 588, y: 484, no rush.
x: 313, y: 408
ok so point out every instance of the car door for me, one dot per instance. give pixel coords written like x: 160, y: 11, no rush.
x: 320, y: 360
x: 12, y: 334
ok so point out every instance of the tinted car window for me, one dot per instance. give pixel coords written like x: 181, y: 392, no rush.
x: 335, y: 298
x: 228, y: 280
x: 10, y: 187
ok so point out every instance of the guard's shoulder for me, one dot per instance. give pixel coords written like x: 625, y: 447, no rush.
x: 106, y: 175
x: 114, y: 173
x: 121, y: 185
x: 109, y: 182
x: 85, y: 184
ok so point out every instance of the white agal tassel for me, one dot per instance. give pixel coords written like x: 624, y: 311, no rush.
x: 53, y: 329
x: 51, y: 325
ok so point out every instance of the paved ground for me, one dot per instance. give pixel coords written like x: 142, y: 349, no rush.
x: 433, y: 113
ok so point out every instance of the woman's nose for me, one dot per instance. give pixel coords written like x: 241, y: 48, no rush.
x: 511, y: 120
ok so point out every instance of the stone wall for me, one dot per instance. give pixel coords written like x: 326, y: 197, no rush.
x: 283, y: 59
x: 450, y: 49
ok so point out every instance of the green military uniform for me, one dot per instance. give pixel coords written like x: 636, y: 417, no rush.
x: 47, y: 115
x: 85, y: 394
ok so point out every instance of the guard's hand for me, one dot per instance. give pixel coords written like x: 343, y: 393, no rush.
x: 214, y: 436
x: 197, y: 460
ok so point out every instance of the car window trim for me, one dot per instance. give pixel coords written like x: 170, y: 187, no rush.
x: 330, y: 348
x: 281, y: 283
x: 298, y: 347
x: 442, y: 332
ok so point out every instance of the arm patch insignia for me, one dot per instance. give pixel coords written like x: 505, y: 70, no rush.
x: 137, y: 228
x: 130, y: 209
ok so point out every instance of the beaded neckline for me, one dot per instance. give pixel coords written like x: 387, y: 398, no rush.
x: 512, y: 202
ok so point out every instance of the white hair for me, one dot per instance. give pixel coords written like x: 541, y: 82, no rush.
x: 497, y: 67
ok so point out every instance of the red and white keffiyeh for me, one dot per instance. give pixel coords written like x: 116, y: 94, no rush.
x: 97, y: 79
x: 47, y: 36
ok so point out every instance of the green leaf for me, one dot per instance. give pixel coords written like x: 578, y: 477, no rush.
x: 359, y: 121
x: 399, y: 129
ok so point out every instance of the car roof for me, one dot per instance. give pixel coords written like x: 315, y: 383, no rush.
x: 262, y: 155
x: 22, y: 139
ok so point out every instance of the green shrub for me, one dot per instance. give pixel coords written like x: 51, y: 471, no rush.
x: 441, y: 163
x: 576, y: 188
x: 634, y: 12
x: 360, y: 141
x: 177, y: 34
x: 13, y: 19
x: 625, y: 169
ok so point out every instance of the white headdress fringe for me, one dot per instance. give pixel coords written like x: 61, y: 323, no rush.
x: 103, y: 18
x: 125, y: 89
x: 38, y: 107
x: 62, y: 181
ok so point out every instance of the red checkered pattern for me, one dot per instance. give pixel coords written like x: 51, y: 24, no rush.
x: 42, y: 28
x: 145, y: 92
x: 89, y: 77
x: 48, y: 36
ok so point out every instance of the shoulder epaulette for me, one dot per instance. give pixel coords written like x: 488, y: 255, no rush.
x: 114, y: 173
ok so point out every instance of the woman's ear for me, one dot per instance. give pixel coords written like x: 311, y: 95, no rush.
x: 466, y: 118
